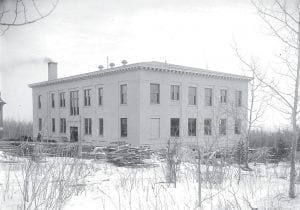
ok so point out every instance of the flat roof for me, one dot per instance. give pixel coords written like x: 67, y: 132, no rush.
x: 148, y: 66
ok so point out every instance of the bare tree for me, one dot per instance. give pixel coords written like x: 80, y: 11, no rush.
x: 15, y: 13
x: 283, y: 19
x: 257, y: 98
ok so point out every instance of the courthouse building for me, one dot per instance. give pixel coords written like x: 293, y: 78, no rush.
x: 143, y: 103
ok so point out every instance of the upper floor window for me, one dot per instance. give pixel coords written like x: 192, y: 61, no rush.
x: 39, y: 101
x: 87, y: 97
x: 223, y: 96
x: 62, y: 99
x: 100, y: 126
x: 63, y: 125
x: 52, y: 100
x: 40, y: 124
x: 192, y: 126
x: 208, y: 96
x: 123, y: 94
x: 100, y: 96
x: 192, y: 95
x: 123, y: 127
x: 154, y: 93
x: 53, y: 125
x: 174, y: 127
x: 222, y: 126
x: 207, y: 127
x: 88, y: 126
x: 74, y: 103
x: 238, y: 98
x: 237, y: 126
x: 175, y: 92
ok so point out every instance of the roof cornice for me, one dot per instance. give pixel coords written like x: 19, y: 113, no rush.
x: 147, y: 66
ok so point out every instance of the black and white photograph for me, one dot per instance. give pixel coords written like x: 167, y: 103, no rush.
x: 149, y: 104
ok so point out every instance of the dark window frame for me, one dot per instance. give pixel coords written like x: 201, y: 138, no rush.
x: 74, y: 102
x: 100, y: 96
x: 123, y: 94
x: 207, y: 127
x: 192, y: 126
x: 154, y: 93
x: 87, y: 126
x: 101, y: 127
x: 208, y: 93
x: 123, y: 127
x: 175, y: 127
x: 175, y: 92
x: 87, y: 97
x: 192, y: 100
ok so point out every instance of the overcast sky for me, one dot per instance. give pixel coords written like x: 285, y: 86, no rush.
x: 79, y: 35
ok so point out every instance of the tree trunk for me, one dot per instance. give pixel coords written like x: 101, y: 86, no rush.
x: 292, y: 193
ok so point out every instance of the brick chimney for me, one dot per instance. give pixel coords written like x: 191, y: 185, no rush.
x: 1, y: 117
x: 52, y: 70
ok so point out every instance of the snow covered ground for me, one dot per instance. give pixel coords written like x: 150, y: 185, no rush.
x: 106, y: 186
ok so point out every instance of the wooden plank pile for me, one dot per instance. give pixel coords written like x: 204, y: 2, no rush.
x: 127, y: 155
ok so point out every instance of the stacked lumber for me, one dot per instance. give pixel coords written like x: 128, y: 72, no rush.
x: 127, y: 155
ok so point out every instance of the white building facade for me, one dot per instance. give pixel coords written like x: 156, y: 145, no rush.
x: 144, y: 103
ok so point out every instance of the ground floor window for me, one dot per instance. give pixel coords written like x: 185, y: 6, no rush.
x: 222, y: 127
x: 174, y: 127
x: 100, y: 126
x: 53, y: 125
x: 88, y: 126
x: 40, y: 124
x: 192, y: 126
x: 63, y: 125
x: 237, y: 126
x: 207, y: 127
x: 123, y: 127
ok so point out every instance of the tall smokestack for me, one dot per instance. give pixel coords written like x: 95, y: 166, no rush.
x: 1, y: 117
x: 52, y: 70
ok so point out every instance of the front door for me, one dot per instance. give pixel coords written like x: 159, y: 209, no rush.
x: 73, y: 134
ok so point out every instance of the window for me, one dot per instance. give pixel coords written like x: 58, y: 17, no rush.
x: 74, y: 103
x: 52, y: 100
x: 154, y: 127
x: 237, y: 126
x: 39, y: 101
x: 87, y: 97
x: 40, y: 124
x: 192, y: 95
x: 100, y: 126
x: 88, y: 126
x: 223, y: 96
x: 222, y: 127
x: 123, y: 127
x: 175, y: 92
x: 100, y: 96
x: 53, y: 125
x: 63, y: 125
x: 238, y: 98
x: 62, y: 100
x: 208, y: 97
x: 123, y: 91
x: 154, y: 93
x: 175, y: 127
x: 207, y: 127
x: 192, y: 126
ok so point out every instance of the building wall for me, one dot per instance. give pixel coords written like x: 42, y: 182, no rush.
x: 139, y: 111
x: 181, y: 109
x: 111, y: 110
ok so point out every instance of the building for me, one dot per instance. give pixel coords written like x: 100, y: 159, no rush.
x: 1, y: 116
x: 142, y: 103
